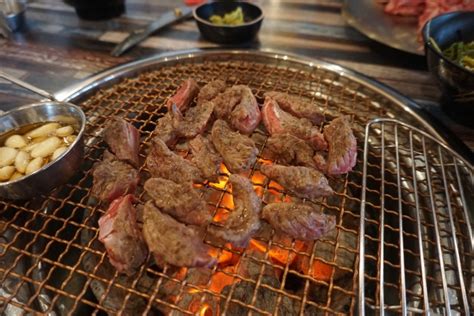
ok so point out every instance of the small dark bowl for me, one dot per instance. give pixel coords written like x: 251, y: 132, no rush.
x: 228, y: 34
x: 457, y: 83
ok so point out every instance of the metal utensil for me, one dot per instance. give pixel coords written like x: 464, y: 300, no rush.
x: 168, y: 18
x: 65, y: 166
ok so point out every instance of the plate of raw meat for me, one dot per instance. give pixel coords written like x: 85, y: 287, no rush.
x: 398, y: 23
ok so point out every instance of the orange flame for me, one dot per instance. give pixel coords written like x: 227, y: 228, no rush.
x: 223, y: 256
x: 280, y: 255
x: 321, y: 271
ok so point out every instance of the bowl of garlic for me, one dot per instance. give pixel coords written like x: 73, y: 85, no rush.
x: 41, y: 147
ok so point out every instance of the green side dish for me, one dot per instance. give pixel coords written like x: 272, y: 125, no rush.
x: 462, y: 54
x: 235, y: 17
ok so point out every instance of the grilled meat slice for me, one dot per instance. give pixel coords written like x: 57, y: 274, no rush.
x: 195, y: 120
x: 298, y: 106
x: 290, y: 150
x: 303, y: 182
x: 163, y: 163
x: 300, y: 221
x: 123, y: 140
x: 210, y: 91
x: 342, y: 155
x: 173, y: 242
x: 239, y: 151
x: 178, y: 200
x: 320, y: 162
x: 238, y: 106
x: 184, y: 95
x: 205, y: 157
x: 113, y: 178
x: 278, y: 121
x: 121, y: 236
x: 165, y: 130
x: 244, y: 220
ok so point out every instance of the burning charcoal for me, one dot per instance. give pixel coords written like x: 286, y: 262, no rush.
x: 303, y: 182
x: 290, y: 150
x: 278, y: 121
x: 163, y: 163
x: 325, y: 249
x: 298, y: 106
x: 266, y: 298
x: 194, y: 122
x: 239, y: 151
x: 210, y: 91
x: 342, y: 154
x: 121, y: 236
x: 184, y: 95
x: 165, y: 131
x: 238, y: 106
x: 172, y: 241
x: 123, y: 140
x: 113, y: 178
x: 300, y: 221
x: 178, y: 200
x: 244, y: 220
x: 206, y: 157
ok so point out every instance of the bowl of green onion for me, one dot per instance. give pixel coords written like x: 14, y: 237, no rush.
x: 449, y: 48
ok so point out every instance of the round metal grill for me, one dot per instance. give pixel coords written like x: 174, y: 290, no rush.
x: 51, y: 259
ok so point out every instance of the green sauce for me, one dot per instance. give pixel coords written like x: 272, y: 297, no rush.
x: 235, y: 17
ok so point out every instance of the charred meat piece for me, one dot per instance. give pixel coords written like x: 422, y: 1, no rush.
x: 278, y: 121
x: 320, y: 162
x: 165, y: 130
x: 342, y: 154
x: 163, y: 163
x: 238, y: 106
x: 113, y: 178
x: 173, y: 242
x: 205, y: 157
x: 210, y: 91
x: 178, y: 200
x: 123, y: 140
x: 194, y: 122
x: 290, y: 150
x: 303, y: 182
x: 244, y: 220
x: 298, y: 106
x: 121, y: 236
x: 239, y: 151
x: 184, y: 95
x: 300, y: 221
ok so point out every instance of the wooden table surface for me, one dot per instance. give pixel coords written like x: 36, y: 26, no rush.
x: 56, y: 48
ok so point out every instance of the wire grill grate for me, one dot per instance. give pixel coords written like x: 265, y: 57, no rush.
x: 422, y: 214
x: 51, y: 261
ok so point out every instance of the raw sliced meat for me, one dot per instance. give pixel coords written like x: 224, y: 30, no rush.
x: 205, y: 157
x: 121, y: 236
x: 303, y: 182
x: 165, y: 131
x: 278, y: 121
x: 244, y: 220
x: 163, y: 163
x: 181, y: 201
x: 184, y: 95
x: 210, y: 91
x: 238, y: 106
x: 298, y: 220
x: 405, y: 7
x: 173, y: 242
x: 290, y: 150
x: 298, y: 106
x: 342, y: 154
x: 194, y: 122
x: 123, y: 140
x: 239, y: 151
x: 113, y: 178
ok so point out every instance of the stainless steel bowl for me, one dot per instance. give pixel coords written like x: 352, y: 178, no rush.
x: 56, y: 172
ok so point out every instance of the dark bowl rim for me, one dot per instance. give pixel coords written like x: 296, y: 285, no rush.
x: 252, y: 22
x: 428, y: 45
x: 69, y: 149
